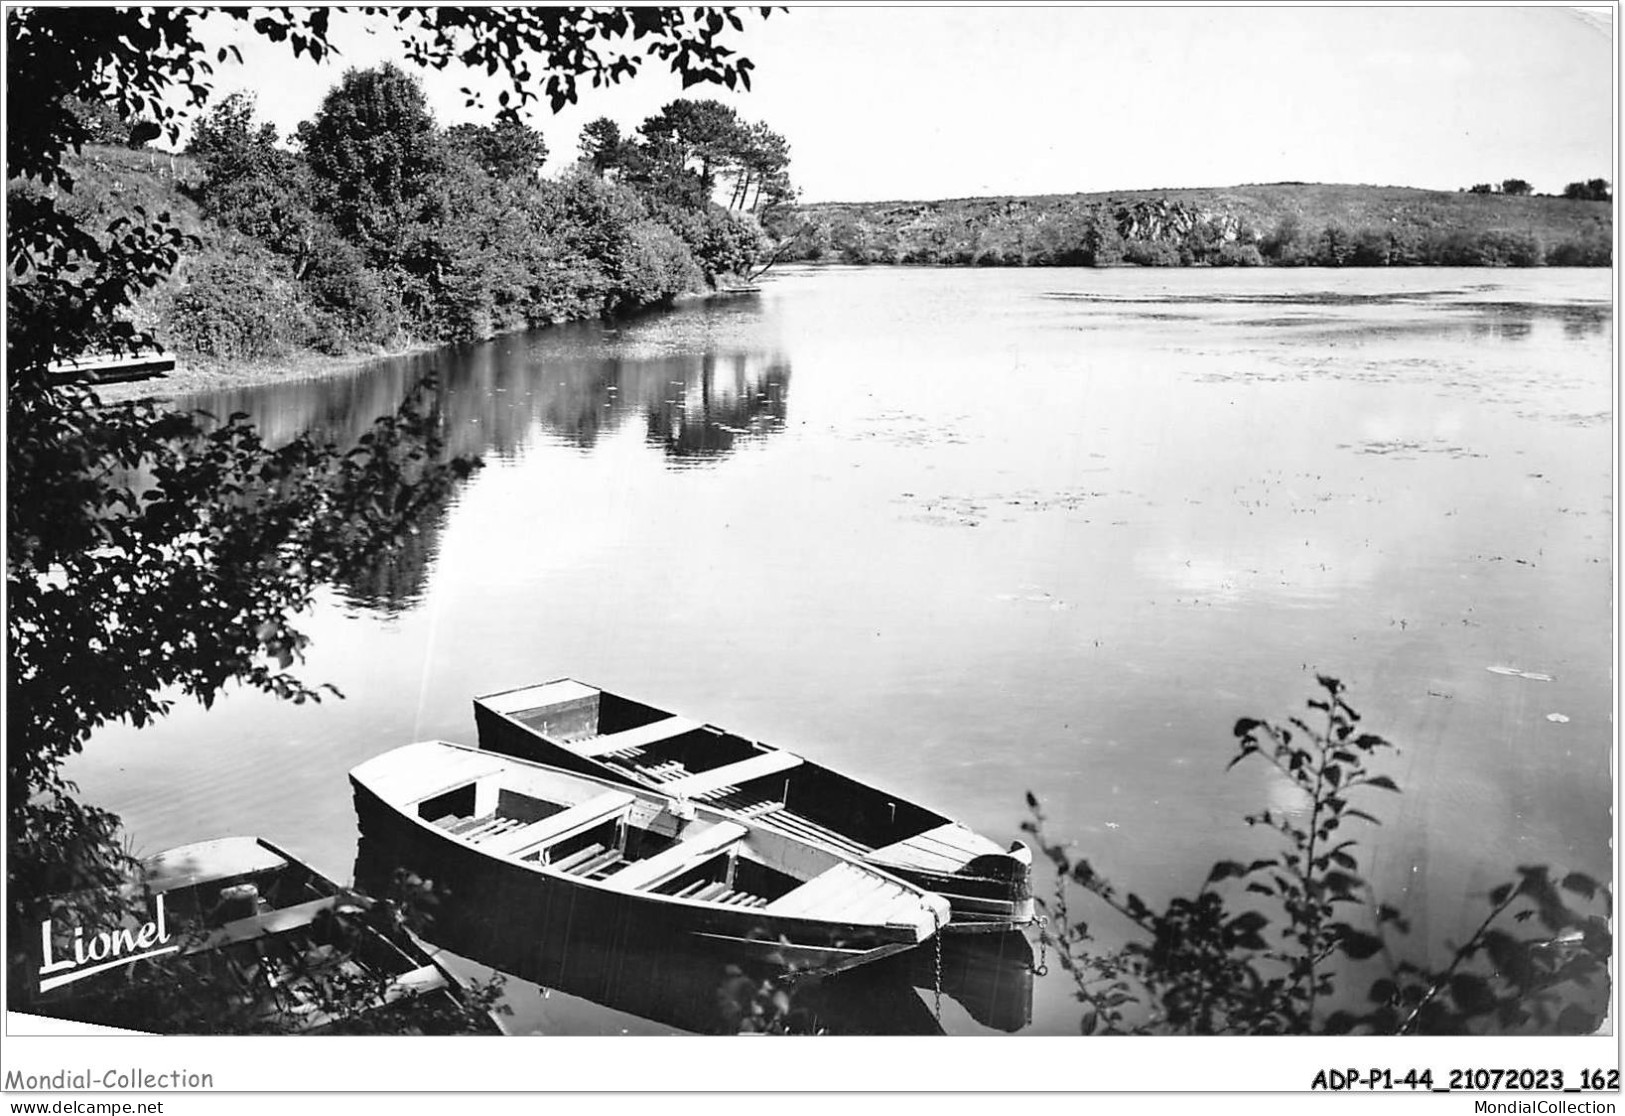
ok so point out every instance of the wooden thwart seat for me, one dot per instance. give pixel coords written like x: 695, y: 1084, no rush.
x: 411, y: 782
x: 836, y: 888
x: 716, y: 891
x: 564, y: 864
x: 681, y: 857
x: 268, y: 923
x: 795, y: 825
x: 560, y: 691
x: 639, y: 737
x: 665, y: 772
x: 865, y: 905
x: 746, y: 803
x: 597, y: 863
x: 730, y: 775
x: 947, y: 849
x: 561, y: 825
x: 492, y: 828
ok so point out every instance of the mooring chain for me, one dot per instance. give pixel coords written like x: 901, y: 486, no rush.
x: 938, y: 986
x: 1042, y: 968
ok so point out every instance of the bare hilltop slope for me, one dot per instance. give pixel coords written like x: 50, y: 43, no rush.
x: 1280, y: 223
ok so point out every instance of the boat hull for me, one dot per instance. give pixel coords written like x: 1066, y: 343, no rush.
x: 554, y: 908
x: 675, y: 981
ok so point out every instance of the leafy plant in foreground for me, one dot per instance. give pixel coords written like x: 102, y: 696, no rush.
x: 1268, y: 946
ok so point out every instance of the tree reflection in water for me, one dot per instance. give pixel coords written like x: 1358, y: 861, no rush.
x: 728, y: 401
x: 573, y: 384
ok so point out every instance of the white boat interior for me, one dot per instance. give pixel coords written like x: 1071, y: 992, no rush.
x: 773, y: 787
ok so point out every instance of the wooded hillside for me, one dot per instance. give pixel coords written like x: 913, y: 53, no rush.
x: 1286, y: 224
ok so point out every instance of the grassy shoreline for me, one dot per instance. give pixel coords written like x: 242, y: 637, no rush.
x: 199, y: 375
x: 190, y: 377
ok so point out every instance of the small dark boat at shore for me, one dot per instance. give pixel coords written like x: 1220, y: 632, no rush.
x: 592, y: 852
x: 569, y: 724
x: 107, y: 368
x: 244, y: 937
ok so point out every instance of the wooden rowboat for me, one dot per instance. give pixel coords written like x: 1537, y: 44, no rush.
x: 578, y: 727
x: 594, y: 853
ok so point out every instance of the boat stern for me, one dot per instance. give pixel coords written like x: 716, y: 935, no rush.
x: 993, y: 893
x: 990, y: 889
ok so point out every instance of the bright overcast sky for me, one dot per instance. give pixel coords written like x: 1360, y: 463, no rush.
x: 892, y: 103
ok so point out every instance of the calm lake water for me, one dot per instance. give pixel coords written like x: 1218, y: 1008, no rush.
x: 968, y: 533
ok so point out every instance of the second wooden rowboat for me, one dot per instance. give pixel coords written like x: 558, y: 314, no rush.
x: 578, y: 727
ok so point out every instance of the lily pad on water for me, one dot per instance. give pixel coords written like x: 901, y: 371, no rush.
x: 1533, y: 676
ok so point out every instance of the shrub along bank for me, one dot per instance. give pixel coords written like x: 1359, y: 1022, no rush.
x: 380, y: 230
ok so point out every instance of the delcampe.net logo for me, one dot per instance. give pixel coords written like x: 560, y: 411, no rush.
x: 105, y: 949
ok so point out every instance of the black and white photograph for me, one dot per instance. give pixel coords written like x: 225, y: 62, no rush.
x: 1088, y: 525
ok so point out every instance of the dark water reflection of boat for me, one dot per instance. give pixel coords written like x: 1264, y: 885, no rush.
x: 668, y: 980
x: 989, y: 975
